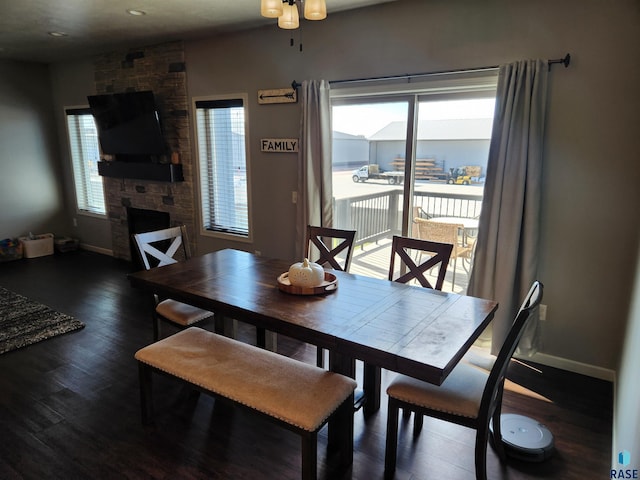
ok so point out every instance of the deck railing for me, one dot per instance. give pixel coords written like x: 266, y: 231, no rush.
x: 377, y: 216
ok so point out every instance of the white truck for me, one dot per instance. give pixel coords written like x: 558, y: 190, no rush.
x: 368, y: 172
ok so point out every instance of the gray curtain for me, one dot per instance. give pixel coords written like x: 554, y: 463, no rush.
x: 506, y: 261
x: 314, y: 172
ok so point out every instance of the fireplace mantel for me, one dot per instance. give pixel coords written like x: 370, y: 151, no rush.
x: 159, y: 172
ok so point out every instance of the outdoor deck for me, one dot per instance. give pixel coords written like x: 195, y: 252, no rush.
x: 377, y: 217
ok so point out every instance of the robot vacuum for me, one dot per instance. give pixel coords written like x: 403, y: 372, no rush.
x: 525, y: 438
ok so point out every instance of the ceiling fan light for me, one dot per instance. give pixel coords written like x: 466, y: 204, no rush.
x: 271, y: 8
x: 289, y: 20
x: 315, y: 9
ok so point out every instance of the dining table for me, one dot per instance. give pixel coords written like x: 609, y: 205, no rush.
x: 407, y: 329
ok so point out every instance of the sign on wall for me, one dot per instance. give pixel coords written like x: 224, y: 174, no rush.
x: 286, y: 145
x: 278, y: 95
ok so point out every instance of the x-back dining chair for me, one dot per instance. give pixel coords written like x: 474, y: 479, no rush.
x: 438, y: 257
x: 164, y: 247
x: 469, y: 396
x: 405, y: 249
x: 330, y: 243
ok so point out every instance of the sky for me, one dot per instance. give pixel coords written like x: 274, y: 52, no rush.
x: 370, y: 118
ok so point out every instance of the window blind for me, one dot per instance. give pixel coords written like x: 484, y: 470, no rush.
x: 85, y: 153
x: 220, y: 126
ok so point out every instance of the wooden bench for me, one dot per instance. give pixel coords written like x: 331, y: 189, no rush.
x: 293, y: 394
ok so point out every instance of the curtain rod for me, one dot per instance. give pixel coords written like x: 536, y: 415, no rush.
x: 565, y: 61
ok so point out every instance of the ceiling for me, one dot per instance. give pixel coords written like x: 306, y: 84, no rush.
x: 97, y: 26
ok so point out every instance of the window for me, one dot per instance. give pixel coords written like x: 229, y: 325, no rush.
x: 83, y: 141
x: 222, y: 157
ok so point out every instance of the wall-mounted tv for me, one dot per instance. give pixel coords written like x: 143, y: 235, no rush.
x: 128, y: 125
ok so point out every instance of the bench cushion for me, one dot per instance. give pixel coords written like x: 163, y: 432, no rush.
x: 294, y: 392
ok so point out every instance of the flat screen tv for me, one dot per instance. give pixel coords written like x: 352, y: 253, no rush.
x: 128, y: 125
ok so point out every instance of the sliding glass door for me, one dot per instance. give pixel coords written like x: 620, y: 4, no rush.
x: 411, y: 165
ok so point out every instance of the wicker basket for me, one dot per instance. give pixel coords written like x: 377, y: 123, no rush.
x: 38, y: 245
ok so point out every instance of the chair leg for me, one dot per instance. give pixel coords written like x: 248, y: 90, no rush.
x: 261, y: 337
x: 146, y: 400
x: 498, y: 445
x: 320, y: 357
x: 391, y: 448
x: 482, y: 437
x: 418, y: 421
x: 228, y: 327
x: 155, y: 318
x: 156, y: 327
x: 453, y: 280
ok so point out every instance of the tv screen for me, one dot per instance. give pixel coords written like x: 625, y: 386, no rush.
x: 128, y: 124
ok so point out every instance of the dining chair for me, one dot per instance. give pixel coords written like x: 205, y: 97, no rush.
x: 329, y: 244
x: 429, y: 229
x: 405, y: 248
x: 469, y: 396
x: 438, y: 257
x: 164, y: 247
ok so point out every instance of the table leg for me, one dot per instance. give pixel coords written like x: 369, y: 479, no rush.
x: 372, y: 385
x: 226, y: 326
x: 266, y: 339
x: 344, y: 365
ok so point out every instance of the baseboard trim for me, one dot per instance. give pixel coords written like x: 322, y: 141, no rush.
x: 92, y: 248
x: 571, y: 366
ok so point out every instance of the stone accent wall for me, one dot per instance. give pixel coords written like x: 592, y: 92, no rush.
x: 161, y: 69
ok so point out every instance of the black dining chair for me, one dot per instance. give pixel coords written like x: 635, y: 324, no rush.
x: 469, y: 396
x: 330, y: 243
x: 404, y: 269
x: 334, y: 248
x: 437, y: 253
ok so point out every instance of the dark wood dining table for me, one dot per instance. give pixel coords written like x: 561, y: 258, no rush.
x: 416, y: 331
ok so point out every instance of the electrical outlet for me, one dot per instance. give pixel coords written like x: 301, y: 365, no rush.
x: 294, y: 197
x: 543, y: 312
x: 75, y: 222
x: 257, y: 253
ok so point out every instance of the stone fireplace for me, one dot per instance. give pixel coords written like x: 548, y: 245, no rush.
x: 161, y: 69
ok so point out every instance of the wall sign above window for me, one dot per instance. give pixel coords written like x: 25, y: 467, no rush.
x: 286, y: 145
x: 278, y: 95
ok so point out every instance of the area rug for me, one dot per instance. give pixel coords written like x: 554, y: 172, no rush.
x: 25, y: 322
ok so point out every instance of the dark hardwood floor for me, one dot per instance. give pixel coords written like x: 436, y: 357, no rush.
x: 69, y: 406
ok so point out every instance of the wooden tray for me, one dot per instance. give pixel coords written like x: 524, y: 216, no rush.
x: 329, y: 285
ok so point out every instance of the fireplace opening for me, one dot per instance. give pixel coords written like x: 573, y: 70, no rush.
x: 140, y: 220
